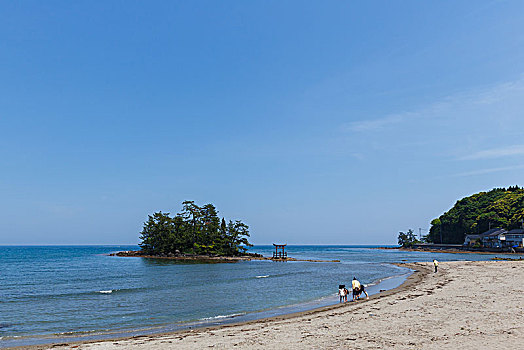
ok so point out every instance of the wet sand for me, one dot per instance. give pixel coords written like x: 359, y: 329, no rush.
x: 466, y: 305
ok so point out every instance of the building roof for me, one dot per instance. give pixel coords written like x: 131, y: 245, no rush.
x: 516, y: 231
x: 493, y: 232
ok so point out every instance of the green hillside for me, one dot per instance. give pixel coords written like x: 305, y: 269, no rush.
x: 499, y: 207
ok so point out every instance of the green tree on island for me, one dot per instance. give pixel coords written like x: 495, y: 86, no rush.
x: 196, y: 230
x: 407, y: 239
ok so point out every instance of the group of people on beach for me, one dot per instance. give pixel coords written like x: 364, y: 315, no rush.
x: 357, y: 288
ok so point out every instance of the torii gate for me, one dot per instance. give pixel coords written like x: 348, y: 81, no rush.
x: 279, y: 254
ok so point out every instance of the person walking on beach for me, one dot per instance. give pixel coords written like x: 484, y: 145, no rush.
x: 343, y: 293
x: 435, y: 263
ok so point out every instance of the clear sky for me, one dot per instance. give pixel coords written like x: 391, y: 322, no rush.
x: 330, y: 122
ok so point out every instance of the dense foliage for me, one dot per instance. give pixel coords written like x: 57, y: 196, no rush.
x: 196, y: 230
x: 478, y: 213
x: 407, y: 239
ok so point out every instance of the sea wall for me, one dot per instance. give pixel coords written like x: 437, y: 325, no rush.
x: 462, y: 248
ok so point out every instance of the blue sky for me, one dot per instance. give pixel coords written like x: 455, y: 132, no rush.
x: 336, y: 122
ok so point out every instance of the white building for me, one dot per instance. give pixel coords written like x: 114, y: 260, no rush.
x: 514, y: 238
x: 494, y: 238
x: 497, y: 238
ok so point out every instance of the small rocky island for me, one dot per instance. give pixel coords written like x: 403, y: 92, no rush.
x: 197, y: 233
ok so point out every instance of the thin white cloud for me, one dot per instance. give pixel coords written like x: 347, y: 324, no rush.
x: 514, y: 150
x: 499, y: 92
x: 488, y: 171
x: 473, y: 105
x: 370, y: 125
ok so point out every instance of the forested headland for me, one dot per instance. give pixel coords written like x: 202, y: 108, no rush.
x: 500, y: 207
x: 196, y: 230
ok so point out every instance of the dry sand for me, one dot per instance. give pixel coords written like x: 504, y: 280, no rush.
x: 466, y: 305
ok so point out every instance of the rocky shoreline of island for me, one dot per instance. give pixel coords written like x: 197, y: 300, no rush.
x: 194, y: 257
x: 209, y: 258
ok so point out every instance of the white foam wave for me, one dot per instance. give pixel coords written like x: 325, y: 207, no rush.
x: 221, y: 316
x: 106, y: 291
x: 263, y: 276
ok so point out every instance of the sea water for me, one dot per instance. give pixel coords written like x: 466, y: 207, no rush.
x: 60, y: 293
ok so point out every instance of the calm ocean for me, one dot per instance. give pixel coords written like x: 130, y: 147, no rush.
x: 55, y: 293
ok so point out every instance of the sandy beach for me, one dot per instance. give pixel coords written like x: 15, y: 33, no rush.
x: 466, y: 305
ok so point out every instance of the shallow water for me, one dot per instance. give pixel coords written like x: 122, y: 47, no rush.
x: 78, y: 291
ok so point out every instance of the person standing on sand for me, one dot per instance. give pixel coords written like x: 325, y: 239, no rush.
x: 435, y: 263
x: 342, y: 292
